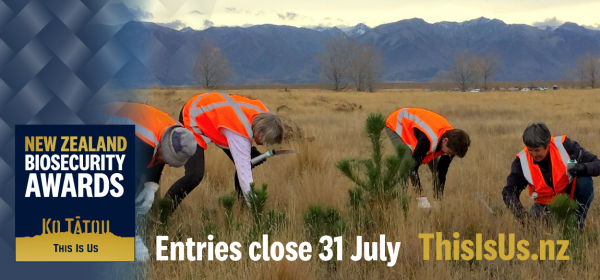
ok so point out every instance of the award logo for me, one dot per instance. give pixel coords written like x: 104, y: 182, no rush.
x: 75, y: 193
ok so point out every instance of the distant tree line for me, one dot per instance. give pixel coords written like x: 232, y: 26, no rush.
x: 344, y: 61
x: 588, y: 70
x: 470, y: 70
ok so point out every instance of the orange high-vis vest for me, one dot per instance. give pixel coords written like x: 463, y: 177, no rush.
x: 150, y: 123
x: 404, y: 120
x: 560, y: 178
x: 207, y: 112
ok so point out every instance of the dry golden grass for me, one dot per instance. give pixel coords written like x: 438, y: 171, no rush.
x: 495, y: 122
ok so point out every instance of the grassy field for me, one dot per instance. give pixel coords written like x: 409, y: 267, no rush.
x: 495, y: 122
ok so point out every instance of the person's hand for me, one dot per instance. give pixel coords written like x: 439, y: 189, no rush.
x: 254, y: 152
x: 259, y: 163
x: 141, y: 251
x: 576, y: 169
x: 143, y: 202
x: 247, y: 199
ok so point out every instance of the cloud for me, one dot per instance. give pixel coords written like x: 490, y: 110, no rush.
x: 233, y: 10
x: 555, y: 22
x: 291, y: 16
x: 176, y: 24
x: 548, y: 22
x: 328, y: 22
x: 138, y: 13
x: 196, y: 12
x: 597, y: 27
x: 208, y: 23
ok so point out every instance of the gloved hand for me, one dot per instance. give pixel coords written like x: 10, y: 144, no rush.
x: 259, y: 163
x: 254, y: 152
x: 576, y: 169
x: 141, y: 252
x: 422, y: 202
x: 143, y: 202
x: 247, y: 199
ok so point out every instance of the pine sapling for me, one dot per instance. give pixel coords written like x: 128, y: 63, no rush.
x: 263, y: 224
x: 564, y: 211
x: 257, y: 200
x: 228, y: 201
x: 382, y: 177
x: 319, y: 222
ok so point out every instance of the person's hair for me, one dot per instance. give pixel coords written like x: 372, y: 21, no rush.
x: 269, y: 128
x: 458, y: 141
x: 537, y: 135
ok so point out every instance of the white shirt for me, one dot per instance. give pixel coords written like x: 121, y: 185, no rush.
x: 240, y: 147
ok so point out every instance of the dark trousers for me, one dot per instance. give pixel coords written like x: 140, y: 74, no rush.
x: 584, y: 194
x: 194, y: 173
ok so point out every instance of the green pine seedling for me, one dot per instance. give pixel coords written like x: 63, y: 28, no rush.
x: 405, y: 202
x: 268, y: 223
x: 257, y: 200
x: 227, y: 201
x: 564, y: 209
x: 165, y: 205
x: 211, y: 229
x: 319, y: 222
x: 382, y: 179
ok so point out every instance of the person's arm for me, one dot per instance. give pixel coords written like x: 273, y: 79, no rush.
x: 515, y: 184
x: 144, y: 154
x: 418, y: 154
x: 421, y: 149
x: 147, y: 177
x: 591, y: 161
x: 442, y: 170
x: 240, y: 148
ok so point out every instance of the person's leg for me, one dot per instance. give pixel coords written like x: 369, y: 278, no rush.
x: 194, y: 172
x: 584, y: 194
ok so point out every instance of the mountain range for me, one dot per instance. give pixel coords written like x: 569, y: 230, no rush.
x: 412, y: 50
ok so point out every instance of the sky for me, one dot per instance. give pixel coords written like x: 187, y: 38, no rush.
x: 199, y: 15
